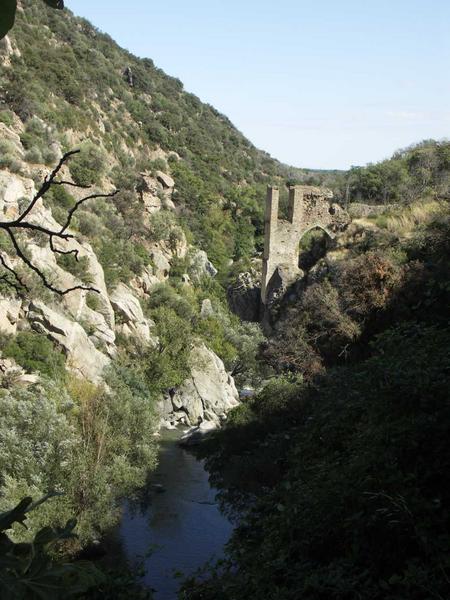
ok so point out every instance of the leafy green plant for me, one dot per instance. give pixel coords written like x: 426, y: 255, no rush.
x: 29, y: 571
x: 79, y: 268
x: 6, y: 117
x: 89, y: 165
x: 34, y: 352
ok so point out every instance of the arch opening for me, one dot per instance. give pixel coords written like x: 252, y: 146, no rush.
x: 312, y: 247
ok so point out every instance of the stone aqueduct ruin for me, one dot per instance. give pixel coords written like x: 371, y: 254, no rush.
x: 309, y: 208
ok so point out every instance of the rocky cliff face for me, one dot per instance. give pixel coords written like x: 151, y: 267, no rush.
x: 87, y: 334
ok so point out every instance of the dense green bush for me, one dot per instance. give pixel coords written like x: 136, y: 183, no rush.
x: 78, y: 267
x: 6, y: 117
x: 338, y: 483
x: 120, y: 258
x: 91, y: 444
x: 37, y: 139
x: 8, y: 154
x: 410, y: 174
x: 357, y: 506
x: 89, y: 165
x: 34, y: 352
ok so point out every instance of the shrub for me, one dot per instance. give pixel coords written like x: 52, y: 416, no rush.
x: 88, y: 167
x: 92, y: 445
x: 92, y: 301
x: 163, y: 295
x: 78, y: 268
x: 60, y: 197
x: 349, y: 501
x: 367, y: 283
x: 34, y: 352
x: 159, y: 164
x: 33, y: 155
x: 7, y: 117
x: 8, y: 153
x: 162, y: 226
x: 168, y: 365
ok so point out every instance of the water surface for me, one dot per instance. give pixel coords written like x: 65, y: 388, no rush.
x: 182, y: 524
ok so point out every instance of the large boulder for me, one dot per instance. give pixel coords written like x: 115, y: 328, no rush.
x: 207, y: 395
x: 155, y: 191
x: 165, y: 180
x: 15, y: 187
x: 143, y: 283
x: 9, y: 314
x: 130, y: 319
x: 149, y: 189
x: 82, y: 356
x: 201, y: 266
x: 8, y: 50
x: 12, y: 189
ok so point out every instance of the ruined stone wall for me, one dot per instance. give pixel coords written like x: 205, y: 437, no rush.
x: 309, y: 207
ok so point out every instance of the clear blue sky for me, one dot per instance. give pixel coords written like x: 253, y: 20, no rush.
x: 317, y: 83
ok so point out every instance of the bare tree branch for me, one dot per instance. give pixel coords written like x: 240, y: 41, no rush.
x: 44, y: 188
x: 18, y: 283
x: 77, y: 206
x: 20, y: 223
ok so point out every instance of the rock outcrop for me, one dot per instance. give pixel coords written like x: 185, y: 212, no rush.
x: 207, y: 395
x: 130, y: 319
x: 82, y: 356
x: 244, y: 295
x: 12, y: 374
x: 9, y: 314
x: 201, y: 266
x: 156, y: 191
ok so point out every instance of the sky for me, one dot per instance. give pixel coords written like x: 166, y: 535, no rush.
x: 316, y: 83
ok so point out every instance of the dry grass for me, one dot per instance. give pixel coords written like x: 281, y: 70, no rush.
x: 406, y: 220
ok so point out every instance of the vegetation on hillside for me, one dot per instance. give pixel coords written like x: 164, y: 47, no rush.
x: 335, y: 471
x: 413, y: 173
x: 335, y: 468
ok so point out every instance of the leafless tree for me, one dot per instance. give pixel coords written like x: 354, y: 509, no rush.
x: 12, y: 228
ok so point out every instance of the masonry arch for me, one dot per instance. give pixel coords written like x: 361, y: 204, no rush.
x: 308, y: 208
x: 313, y: 246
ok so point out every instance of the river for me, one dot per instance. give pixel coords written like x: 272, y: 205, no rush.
x: 178, y: 521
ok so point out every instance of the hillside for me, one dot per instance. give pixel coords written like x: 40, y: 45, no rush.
x: 87, y: 89
x: 90, y: 371
x: 335, y: 470
x: 334, y: 467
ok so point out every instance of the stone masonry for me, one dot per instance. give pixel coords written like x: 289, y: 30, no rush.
x: 309, y: 207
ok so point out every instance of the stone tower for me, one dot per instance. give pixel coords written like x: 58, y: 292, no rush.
x: 309, y: 207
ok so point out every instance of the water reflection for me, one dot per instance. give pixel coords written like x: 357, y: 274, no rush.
x: 179, y: 521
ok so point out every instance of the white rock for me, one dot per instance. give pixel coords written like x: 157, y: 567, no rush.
x: 196, y: 434
x: 165, y: 180
x: 82, y: 356
x: 9, y: 314
x: 206, y: 309
x: 209, y: 392
x: 161, y: 264
x: 201, y: 265
x: 148, y: 189
x: 12, y: 374
x: 12, y: 189
x: 130, y: 315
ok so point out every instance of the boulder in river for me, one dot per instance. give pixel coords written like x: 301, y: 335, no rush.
x: 207, y: 395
